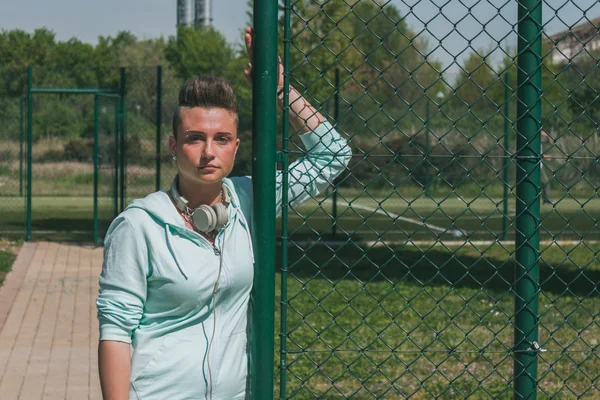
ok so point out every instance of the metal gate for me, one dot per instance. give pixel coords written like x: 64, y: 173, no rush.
x: 55, y: 182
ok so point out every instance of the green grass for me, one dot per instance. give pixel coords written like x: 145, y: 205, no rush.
x: 54, y: 218
x: 360, y: 217
x: 426, y: 218
x: 433, y: 320
x: 6, y: 261
x: 410, y: 321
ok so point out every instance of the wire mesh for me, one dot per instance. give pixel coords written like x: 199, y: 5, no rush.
x: 13, y: 157
x: 409, y: 286
x: 141, y: 132
x: 107, y: 164
x: 63, y: 149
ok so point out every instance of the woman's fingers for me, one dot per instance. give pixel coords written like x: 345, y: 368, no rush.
x: 248, y: 73
x: 248, y: 37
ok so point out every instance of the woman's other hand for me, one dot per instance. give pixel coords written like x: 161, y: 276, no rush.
x: 249, y: 39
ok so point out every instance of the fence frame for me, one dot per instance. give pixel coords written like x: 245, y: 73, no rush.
x: 26, y: 119
x: 526, y: 285
x: 119, y: 116
x: 527, y: 237
x: 264, y: 128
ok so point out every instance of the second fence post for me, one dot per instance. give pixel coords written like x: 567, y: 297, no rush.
x: 122, y: 144
x: 527, y: 240
x: 506, y: 155
x: 96, y: 161
x: 336, y: 119
x: 29, y: 149
x: 158, y: 123
x: 21, y: 109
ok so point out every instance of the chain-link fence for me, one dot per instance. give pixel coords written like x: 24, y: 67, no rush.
x: 134, y: 115
x: 13, y: 160
x: 458, y: 254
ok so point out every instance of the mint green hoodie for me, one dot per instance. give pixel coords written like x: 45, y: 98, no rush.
x: 157, y: 280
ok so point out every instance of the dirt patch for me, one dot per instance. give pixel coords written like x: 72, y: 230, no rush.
x: 9, y: 246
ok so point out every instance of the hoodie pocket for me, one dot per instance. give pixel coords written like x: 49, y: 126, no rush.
x: 155, y: 380
x: 175, y: 371
x: 167, y: 343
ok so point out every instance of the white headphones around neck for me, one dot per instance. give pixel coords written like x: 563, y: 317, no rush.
x: 204, y: 218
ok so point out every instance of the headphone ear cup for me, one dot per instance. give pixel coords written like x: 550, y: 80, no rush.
x: 204, y: 218
x: 222, y: 216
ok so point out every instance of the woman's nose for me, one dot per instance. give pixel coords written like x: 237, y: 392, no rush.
x: 208, y: 149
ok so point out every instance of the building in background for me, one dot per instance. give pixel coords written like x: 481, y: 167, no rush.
x: 202, y: 12
x: 182, y: 14
x: 570, y: 43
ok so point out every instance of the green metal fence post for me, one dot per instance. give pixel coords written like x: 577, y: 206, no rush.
x: 528, y: 198
x: 116, y: 160
x: 283, y: 367
x: 427, y: 175
x: 336, y: 116
x: 506, y: 154
x: 158, y: 122
x: 122, y: 149
x: 21, y: 107
x: 29, y: 149
x: 264, y: 127
x: 96, y: 159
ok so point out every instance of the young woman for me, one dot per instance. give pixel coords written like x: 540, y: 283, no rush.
x: 178, y: 264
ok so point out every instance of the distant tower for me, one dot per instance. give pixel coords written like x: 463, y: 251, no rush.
x: 203, y: 13
x: 182, y: 11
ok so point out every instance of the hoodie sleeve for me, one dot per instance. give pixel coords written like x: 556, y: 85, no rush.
x: 327, y: 155
x: 122, y: 282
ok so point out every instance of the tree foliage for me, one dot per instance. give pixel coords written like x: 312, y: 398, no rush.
x: 391, y: 88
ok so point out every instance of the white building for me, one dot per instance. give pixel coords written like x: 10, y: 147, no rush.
x: 578, y: 40
x: 202, y: 12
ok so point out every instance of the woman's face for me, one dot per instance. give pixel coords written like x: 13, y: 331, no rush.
x: 206, y: 144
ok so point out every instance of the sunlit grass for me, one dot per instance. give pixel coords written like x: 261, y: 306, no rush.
x: 408, y: 321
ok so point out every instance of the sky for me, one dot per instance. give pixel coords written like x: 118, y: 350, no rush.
x: 450, y: 33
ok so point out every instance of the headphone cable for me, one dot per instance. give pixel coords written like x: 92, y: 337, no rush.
x: 215, y: 289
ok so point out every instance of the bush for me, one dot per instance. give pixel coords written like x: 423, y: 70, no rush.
x: 79, y: 149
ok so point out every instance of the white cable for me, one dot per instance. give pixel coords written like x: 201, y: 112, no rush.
x: 215, y: 289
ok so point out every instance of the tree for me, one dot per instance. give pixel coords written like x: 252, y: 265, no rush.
x: 383, y: 72
x: 198, y: 51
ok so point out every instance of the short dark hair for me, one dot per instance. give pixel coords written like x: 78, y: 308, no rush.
x: 205, y: 91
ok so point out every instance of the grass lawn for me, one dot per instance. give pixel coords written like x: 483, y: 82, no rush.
x: 359, y: 216
x: 434, y: 322
x: 404, y: 320
x: 8, y: 253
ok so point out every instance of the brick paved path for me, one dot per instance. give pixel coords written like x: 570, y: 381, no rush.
x: 48, y: 325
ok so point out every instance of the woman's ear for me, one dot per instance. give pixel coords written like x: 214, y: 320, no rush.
x: 172, y: 144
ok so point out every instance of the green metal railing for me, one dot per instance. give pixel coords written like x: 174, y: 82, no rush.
x: 264, y: 128
x: 55, y: 143
x: 98, y: 94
